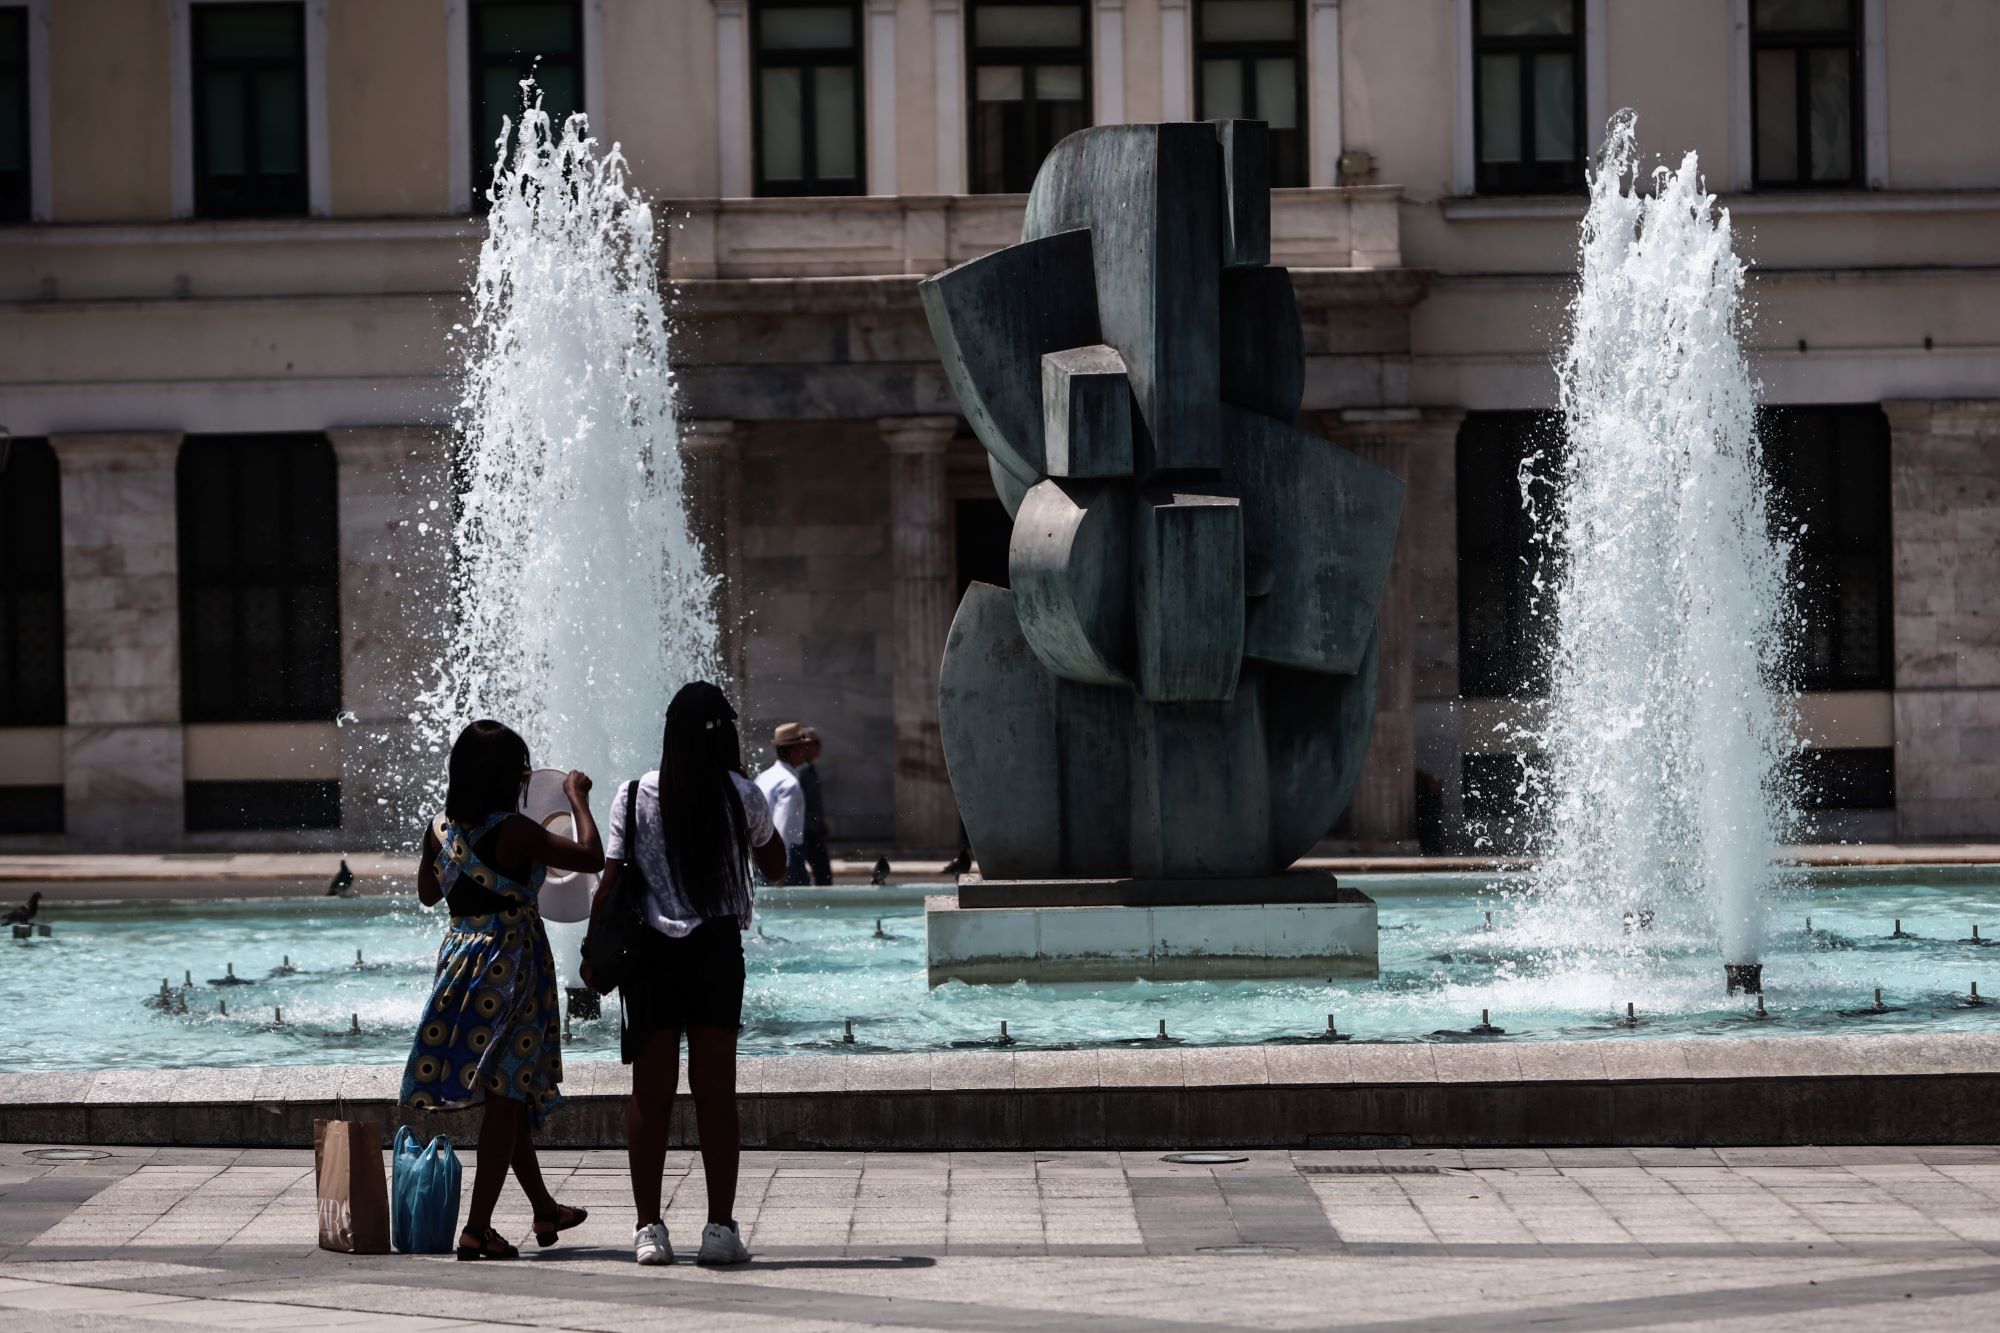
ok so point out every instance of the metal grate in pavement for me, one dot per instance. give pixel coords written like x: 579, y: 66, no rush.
x: 1316, y: 1170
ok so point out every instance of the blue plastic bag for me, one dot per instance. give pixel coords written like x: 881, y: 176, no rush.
x: 423, y: 1201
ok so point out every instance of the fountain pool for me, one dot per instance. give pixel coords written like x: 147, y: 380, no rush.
x: 818, y: 962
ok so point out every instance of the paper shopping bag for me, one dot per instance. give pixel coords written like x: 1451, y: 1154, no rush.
x: 353, y: 1191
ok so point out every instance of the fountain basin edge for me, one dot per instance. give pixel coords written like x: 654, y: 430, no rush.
x: 1899, y: 1089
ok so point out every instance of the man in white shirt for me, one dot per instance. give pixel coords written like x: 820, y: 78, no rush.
x: 780, y: 785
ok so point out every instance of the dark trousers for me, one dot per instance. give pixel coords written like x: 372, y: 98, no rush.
x: 807, y: 863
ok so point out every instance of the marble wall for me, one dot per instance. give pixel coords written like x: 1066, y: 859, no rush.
x: 122, y: 773
x: 1945, y: 480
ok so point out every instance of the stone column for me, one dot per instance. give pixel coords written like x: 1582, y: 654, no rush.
x: 1944, y: 468
x: 123, y: 776
x: 1398, y: 440
x: 712, y: 497
x: 393, y: 484
x: 920, y: 532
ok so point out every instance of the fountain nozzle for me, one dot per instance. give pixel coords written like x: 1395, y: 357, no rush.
x: 1745, y: 977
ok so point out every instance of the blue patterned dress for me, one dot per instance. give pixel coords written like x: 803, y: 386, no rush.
x: 492, y: 1025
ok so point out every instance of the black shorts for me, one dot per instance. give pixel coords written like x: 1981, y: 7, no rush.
x: 695, y: 980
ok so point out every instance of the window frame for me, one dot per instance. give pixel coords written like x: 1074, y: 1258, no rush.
x: 1247, y: 53
x: 291, y: 707
x: 809, y: 61
x: 1802, y: 44
x: 1490, y: 177
x: 1029, y: 58
x: 15, y: 711
x: 477, y: 64
x: 205, y: 203
x: 25, y: 210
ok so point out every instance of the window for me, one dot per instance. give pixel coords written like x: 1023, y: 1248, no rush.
x: 1527, y: 95
x: 514, y: 40
x: 249, y: 110
x: 227, y: 807
x: 1829, y: 474
x: 260, y: 579
x: 31, y: 588
x: 15, y: 192
x: 1250, y: 65
x: 808, y: 98
x: 1805, y: 84
x: 1503, y: 621
x: 1030, y: 87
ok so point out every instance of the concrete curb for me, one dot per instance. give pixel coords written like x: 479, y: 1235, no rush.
x: 1929, y: 1089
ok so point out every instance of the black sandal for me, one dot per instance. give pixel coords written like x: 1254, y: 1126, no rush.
x: 488, y: 1238
x: 555, y: 1219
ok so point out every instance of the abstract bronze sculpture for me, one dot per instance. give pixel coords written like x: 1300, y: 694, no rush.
x: 1181, y: 682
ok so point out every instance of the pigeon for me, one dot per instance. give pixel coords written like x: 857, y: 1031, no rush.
x: 959, y: 864
x: 342, y: 885
x: 25, y: 913
x: 881, y: 875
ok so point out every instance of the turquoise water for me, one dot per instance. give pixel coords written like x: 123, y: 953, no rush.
x: 78, y: 998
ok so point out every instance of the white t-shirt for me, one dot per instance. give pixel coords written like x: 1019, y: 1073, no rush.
x: 780, y: 785
x: 667, y: 908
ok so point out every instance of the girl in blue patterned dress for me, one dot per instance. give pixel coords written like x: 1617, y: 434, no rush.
x: 491, y: 1033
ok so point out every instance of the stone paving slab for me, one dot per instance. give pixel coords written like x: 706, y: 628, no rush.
x: 1770, y: 1236
x: 1919, y: 1088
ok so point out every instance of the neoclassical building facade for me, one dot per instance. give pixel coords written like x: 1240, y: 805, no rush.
x: 234, y: 237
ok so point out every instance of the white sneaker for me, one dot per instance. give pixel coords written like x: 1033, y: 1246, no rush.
x: 649, y: 1245
x: 722, y: 1245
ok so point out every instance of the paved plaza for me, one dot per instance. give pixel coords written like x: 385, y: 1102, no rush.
x: 1584, y: 1238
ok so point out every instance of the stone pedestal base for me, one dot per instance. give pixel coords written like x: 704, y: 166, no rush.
x: 1173, y: 931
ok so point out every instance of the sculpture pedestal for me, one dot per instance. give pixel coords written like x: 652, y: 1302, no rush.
x: 1294, y: 925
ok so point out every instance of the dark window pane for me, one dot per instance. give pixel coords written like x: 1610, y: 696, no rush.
x: 13, y: 122
x: 509, y: 29
x: 1804, y: 15
x: 14, y: 187
x: 784, y: 148
x: 249, y: 88
x: 1777, y: 115
x: 1278, y: 94
x: 1831, y: 112
x: 1503, y: 619
x: 260, y: 628
x: 281, y: 130
x: 225, y: 137
x: 513, y: 40
x: 1222, y: 90
x: 250, y: 32
x: 1028, y: 25
x: 820, y: 27
x: 1025, y: 101
x: 834, y: 132
x: 1844, y: 779
x: 1829, y: 475
x: 1526, y: 18
x: 31, y: 608
x: 1555, y: 107
x: 31, y: 810
x: 1500, y: 108
x: 1249, y: 20
x: 221, y: 807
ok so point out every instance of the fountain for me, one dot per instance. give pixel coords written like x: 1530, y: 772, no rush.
x: 1666, y: 724
x: 580, y: 601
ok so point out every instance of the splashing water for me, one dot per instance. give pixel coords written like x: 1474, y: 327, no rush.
x: 1665, y: 727
x: 580, y: 596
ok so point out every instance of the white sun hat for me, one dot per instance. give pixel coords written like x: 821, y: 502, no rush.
x: 566, y: 894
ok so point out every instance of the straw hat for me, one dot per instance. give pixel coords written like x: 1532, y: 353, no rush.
x: 790, y: 733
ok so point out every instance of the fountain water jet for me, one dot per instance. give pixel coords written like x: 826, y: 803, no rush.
x: 579, y: 595
x: 1666, y: 723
